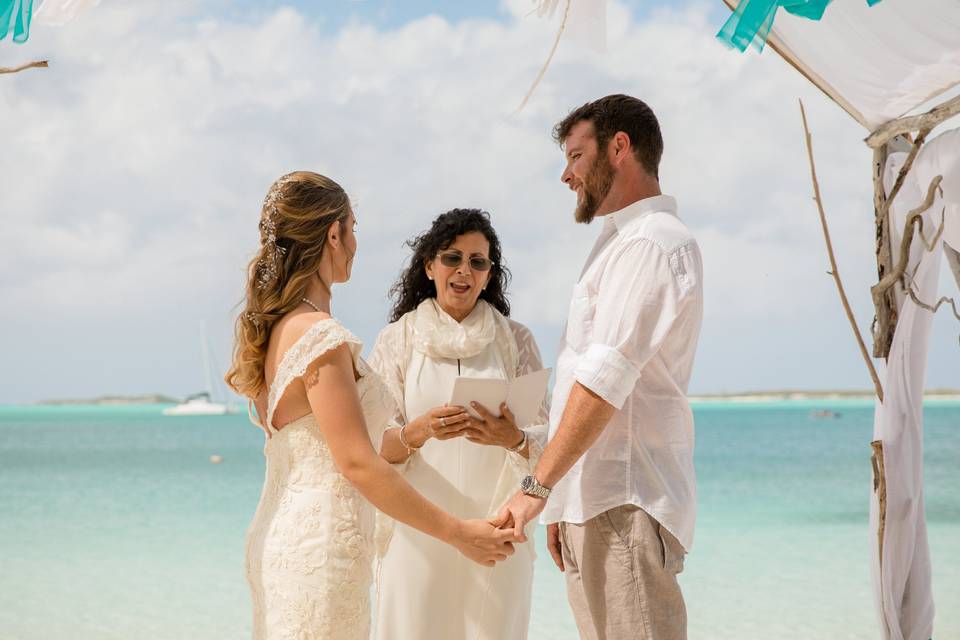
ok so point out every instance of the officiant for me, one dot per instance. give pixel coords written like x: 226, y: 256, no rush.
x: 450, y: 318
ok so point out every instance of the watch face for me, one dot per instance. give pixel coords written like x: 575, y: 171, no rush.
x: 526, y: 484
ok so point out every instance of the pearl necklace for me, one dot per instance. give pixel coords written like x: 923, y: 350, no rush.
x: 315, y: 307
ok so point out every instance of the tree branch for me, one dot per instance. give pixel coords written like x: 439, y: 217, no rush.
x: 834, y: 272
x: 905, y: 169
x: 913, y: 218
x: 888, y: 131
x: 22, y: 67
x: 885, y: 313
x: 932, y: 244
x: 933, y: 308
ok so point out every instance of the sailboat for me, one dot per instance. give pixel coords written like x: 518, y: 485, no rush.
x: 201, y: 404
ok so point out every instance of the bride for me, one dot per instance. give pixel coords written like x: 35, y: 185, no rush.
x: 310, y: 546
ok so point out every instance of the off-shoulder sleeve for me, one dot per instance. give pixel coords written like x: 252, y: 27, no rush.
x: 326, y: 335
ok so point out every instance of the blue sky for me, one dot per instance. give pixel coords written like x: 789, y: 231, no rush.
x: 384, y: 13
x: 135, y: 166
x: 394, y: 13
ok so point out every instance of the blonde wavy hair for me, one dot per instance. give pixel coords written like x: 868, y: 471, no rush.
x: 297, y: 213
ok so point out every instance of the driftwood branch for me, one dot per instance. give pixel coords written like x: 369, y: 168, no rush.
x: 905, y: 169
x: 914, y: 220
x: 953, y: 260
x: 885, y: 308
x: 954, y: 266
x: 888, y: 131
x: 933, y: 308
x: 834, y: 271
x: 932, y: 244
x: 22, y: 67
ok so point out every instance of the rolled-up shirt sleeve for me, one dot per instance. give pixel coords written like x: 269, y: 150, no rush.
x: 638, y: 299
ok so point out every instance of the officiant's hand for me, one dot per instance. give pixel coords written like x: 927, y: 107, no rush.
x: 443, y: 423
x: 494, y: 431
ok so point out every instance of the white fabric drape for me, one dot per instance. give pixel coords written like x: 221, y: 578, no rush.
x: 901, y: 570
x: 586, y: 22
x: 57, y: 12
x: 883, y: 61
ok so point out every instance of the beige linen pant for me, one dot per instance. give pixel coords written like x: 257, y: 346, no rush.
x: 621, y: 571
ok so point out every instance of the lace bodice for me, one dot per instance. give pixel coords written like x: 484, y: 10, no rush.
x: 310, y: 545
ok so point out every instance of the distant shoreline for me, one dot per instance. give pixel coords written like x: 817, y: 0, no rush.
x: 745, y: 396
x: 787, y: 395
x: 110, y: 401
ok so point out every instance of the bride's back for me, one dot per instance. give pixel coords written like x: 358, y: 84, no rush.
x: 293, y: 404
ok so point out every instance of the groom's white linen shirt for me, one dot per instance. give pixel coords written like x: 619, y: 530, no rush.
x: 630, y: 337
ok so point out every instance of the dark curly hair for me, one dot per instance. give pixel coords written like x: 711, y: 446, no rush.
x: 414, y: 287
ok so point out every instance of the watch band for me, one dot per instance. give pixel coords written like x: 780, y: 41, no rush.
x: 532, y: 487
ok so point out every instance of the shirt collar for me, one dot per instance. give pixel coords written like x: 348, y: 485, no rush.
x: 640, y: 208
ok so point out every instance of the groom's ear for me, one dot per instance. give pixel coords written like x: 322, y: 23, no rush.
x: 620, y: 143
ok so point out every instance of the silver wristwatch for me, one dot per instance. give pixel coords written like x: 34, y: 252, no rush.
x: 531, y: 487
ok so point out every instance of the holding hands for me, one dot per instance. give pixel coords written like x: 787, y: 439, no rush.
x: 517, y: 512
x: 484, y: 543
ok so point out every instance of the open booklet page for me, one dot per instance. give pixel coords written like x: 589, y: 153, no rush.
x: 523, y: 395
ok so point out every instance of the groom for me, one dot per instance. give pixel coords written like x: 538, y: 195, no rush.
x: 616, y: 483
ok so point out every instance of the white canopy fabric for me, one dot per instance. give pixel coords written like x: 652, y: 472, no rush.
x: 58, y: 12
x: 900, y: 564
x: 878, y: 62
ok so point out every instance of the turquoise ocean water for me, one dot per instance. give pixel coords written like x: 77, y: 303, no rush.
x: 114, y: 524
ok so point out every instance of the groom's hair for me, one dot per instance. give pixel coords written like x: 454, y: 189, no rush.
x: 615, y: 113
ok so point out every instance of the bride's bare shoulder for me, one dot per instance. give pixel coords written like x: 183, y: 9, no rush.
x: 291, y: 328
x: 298, y: 324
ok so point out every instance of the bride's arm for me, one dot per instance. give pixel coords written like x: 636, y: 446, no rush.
x: 332, y: 392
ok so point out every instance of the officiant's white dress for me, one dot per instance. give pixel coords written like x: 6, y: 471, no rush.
x: 427, y: 590
x: 310, y: 545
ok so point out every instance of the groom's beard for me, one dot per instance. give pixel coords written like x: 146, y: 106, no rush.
x: 596, y: 186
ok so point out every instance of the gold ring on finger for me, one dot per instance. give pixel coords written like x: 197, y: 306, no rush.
x: 443, y: 421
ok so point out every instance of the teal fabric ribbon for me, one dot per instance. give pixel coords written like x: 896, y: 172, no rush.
x: 752, y: 20
x: 15, y: 16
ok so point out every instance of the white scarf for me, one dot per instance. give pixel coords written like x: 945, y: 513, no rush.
x: 437, y: 335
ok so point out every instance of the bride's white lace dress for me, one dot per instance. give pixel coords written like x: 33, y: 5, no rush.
x: 310, y: 545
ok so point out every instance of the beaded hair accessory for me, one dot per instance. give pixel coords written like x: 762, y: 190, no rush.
x: 272, y: 253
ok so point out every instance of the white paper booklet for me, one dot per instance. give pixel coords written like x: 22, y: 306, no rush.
x: 523, y: 395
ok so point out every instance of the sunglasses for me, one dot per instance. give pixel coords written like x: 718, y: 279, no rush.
x: 454, y: 260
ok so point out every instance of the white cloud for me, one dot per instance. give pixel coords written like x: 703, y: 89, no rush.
x: 135, y: 167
